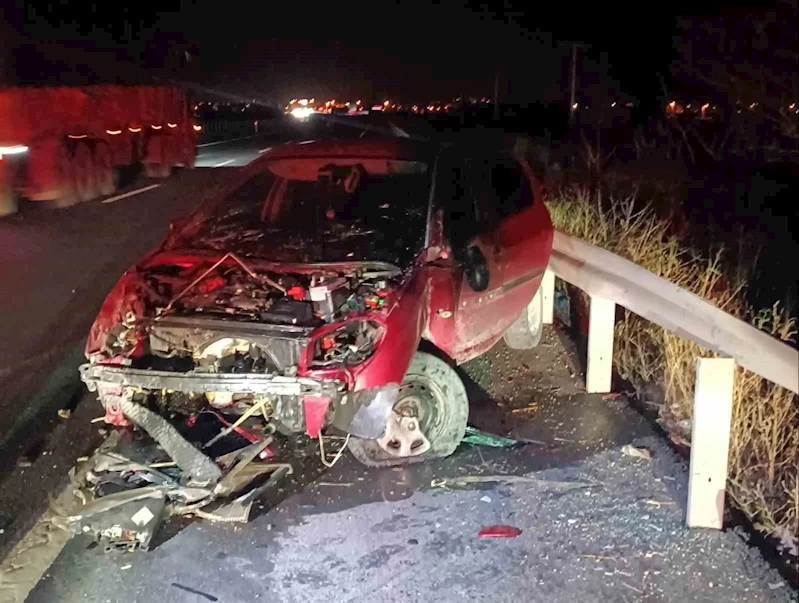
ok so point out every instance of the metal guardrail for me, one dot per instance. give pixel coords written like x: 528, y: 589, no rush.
x: 610, y: 280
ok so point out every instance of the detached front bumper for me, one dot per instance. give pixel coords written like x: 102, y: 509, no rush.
x: 202, y: 383
x: 306, y: 400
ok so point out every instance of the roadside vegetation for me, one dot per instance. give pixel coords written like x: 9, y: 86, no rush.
x: 764, y: 448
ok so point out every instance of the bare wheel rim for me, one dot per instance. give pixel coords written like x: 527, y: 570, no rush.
x: 417, y: 406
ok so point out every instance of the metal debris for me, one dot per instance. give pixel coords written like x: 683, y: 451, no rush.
x: 128, y: 495
x: 125, y: 520
x: 638, y: 453
x: 466, y: 480
x: 194, y: 463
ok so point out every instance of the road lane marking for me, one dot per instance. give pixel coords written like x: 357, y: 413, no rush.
x: 130, y: 193
x: 265, y: 150
x: 224, y: 163
x: 210, y: 144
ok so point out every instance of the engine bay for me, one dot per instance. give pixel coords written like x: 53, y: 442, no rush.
x: 227, y: 318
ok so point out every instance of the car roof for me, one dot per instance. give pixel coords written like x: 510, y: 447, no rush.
x: 381, y: 148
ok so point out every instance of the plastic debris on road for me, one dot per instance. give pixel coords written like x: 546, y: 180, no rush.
x: 482, y: 438
x: 499, y: 531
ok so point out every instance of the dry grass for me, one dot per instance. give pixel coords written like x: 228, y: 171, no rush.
x: 764, y: 449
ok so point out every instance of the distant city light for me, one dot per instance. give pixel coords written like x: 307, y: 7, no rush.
x: 576, y: 106
x: 385, y: 103
x: 613, y: 104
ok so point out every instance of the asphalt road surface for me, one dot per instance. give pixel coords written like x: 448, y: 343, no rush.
x: 596, y: 524
x: 235, y: 153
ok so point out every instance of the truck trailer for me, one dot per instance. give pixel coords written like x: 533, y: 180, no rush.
x: 66, y: 145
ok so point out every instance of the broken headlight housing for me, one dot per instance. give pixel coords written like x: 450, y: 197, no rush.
x: 349, y: 344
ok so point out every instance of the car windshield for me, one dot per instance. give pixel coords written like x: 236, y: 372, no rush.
x: 303, y: 211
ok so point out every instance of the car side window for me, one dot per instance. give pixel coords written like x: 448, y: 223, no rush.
x: 453, y: 189
x: 510, y: 188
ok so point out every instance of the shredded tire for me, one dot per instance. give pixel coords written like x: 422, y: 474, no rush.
x: 444, y: 434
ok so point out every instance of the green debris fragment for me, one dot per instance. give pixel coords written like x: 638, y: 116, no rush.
x: 481, y: 438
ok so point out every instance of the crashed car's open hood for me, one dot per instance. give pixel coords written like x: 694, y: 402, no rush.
x: 193, y: 256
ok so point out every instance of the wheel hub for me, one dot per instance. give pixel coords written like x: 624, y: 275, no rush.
x: 404, y: 435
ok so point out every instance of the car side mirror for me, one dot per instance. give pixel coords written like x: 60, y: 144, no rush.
x: 476, y: 269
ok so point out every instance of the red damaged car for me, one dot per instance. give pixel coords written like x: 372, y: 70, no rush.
x: 299, y: 299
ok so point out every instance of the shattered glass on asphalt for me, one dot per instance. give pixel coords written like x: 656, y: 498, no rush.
x: 384, y: 220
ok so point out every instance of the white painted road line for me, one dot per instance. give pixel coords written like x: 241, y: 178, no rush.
x: 210, y: 144
x: 130, y: 193
x: 224, y: 163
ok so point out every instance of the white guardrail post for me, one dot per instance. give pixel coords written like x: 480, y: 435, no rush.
x: 601, y: 320
x: 548, y: 293
x: 710, y: 442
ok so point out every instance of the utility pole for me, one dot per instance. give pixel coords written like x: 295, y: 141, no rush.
x: 496, y: 94
x: 573, y: 84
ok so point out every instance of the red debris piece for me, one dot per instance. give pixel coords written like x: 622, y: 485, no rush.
x: 315, y: 410
x: 296, y: 292
x: 499, y: 532
x: 113, y: 412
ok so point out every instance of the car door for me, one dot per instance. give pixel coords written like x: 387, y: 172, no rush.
x: 477, y: 269
x: 523, y: 234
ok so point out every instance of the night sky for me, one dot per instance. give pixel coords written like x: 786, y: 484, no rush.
x: 409, y: 51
